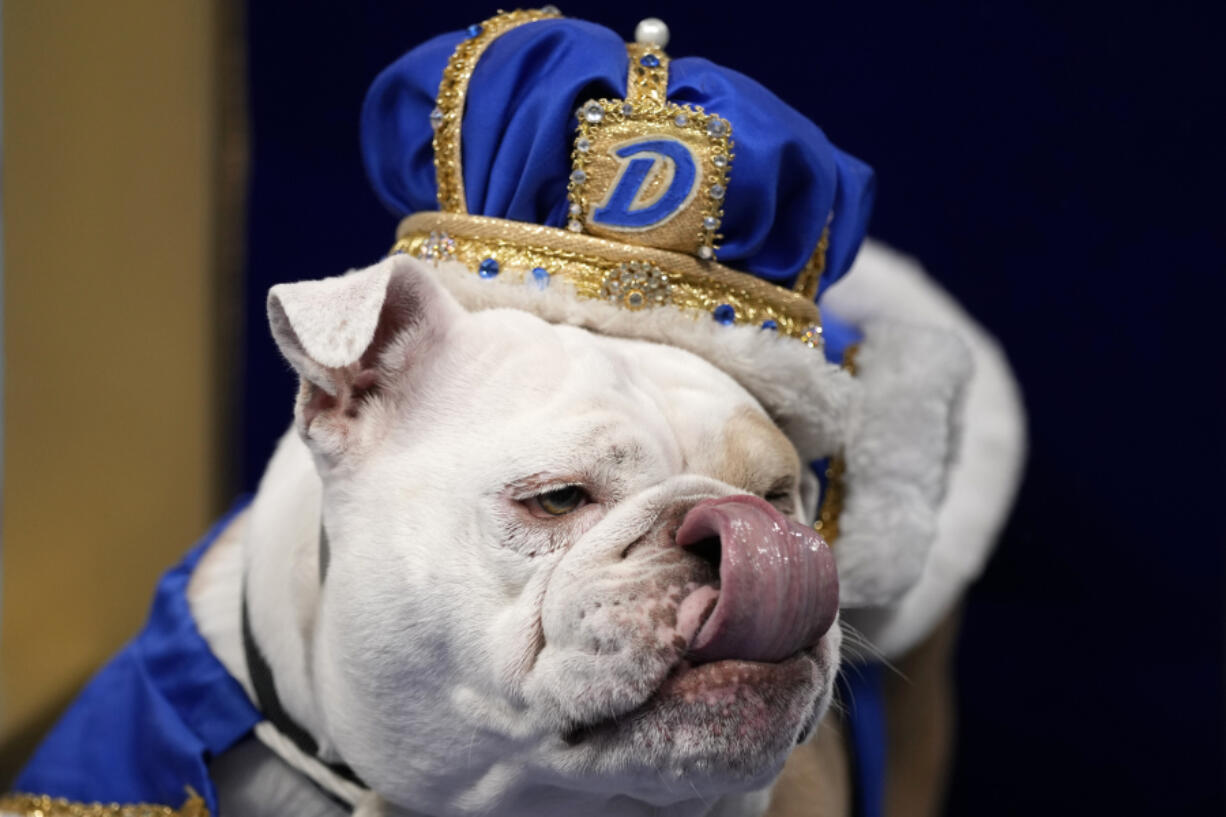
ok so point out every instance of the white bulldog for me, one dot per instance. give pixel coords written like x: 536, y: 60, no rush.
x: 502, y: 566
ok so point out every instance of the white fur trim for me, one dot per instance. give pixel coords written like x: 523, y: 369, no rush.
x: 885, y: 285
x: 899, y: 444
x: 806, y: 396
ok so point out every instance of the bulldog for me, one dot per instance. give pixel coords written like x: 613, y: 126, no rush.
x: 543, y: 538
x: 503, y: 566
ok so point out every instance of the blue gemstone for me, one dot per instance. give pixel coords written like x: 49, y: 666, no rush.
x: 724, y: 314
x: 474, y: 30
x: 488, y: 268
x: 771, y: 325
x: 650, y: 61
x: 540, y: 276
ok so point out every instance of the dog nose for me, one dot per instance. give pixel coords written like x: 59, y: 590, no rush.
x: 778, y: 586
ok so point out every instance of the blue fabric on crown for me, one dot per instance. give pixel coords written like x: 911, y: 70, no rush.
x: 519, y: 125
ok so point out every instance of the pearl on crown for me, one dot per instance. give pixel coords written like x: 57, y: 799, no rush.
x: 651, y: 31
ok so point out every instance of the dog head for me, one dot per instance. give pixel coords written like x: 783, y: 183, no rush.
x: 561, y: 567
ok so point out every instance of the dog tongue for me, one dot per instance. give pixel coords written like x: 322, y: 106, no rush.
x: 779, y: 590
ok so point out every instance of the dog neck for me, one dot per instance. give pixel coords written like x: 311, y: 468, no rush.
x: 263, y: 575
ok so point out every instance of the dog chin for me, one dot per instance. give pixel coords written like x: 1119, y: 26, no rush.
x: 718, y: 727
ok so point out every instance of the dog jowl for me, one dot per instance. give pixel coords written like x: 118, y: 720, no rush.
x: 566, y: 573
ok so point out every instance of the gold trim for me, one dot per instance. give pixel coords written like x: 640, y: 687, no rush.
x: 827, y: 523
x: 588, y: 263
x: 849, y: 358
x: 646, y: 84
x: 40, y: 805
x: 810, y: 277
x: 448, y: 113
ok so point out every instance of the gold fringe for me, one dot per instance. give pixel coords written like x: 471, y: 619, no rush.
x: 40, y: 805
x: 827, y: 523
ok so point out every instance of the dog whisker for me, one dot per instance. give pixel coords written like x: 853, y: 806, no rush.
x: 858, y: 647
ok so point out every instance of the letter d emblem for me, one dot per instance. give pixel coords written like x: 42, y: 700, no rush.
x: 657, y: 180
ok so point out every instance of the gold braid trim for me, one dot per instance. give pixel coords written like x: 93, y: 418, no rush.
x: 449, y: 106
x: 40, y: 805
x: 811, y: 275
x: 827, y: 523
x: 627, y: 276
x: 644, y: 84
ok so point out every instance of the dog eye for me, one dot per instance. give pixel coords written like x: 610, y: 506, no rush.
x: 781, y: 499
x: 559, y: 502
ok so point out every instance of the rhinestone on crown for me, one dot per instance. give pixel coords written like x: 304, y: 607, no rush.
x: 438, y: 247
x: 637, y: 285
x: 592, y: 112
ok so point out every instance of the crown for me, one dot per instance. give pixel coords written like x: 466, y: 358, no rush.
x: 541, y: 163
x: 647, y: 185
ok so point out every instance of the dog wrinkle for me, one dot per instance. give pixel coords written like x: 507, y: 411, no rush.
x: 663, y: 532
x: 534, y: 647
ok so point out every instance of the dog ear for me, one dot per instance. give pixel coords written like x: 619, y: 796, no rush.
x: 352, y: 339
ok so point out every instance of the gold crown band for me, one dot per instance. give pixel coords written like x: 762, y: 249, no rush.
x: 627, y: 276
x: 448, y: 113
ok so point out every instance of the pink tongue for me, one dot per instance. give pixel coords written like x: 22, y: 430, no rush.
x: 779, y: 591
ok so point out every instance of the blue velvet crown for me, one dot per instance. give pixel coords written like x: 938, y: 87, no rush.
x: 664, y: 180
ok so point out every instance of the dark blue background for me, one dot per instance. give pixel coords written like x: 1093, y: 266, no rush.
x: 1060, y: 168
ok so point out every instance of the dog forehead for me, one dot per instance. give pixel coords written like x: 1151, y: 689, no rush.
x: 693, y: 397
x: 720, y: 429
x: 517, y: 360
x: 713, y: 423
x: 555, y: 392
